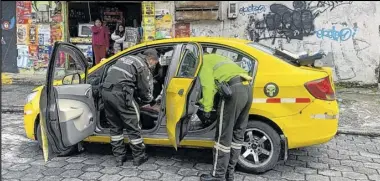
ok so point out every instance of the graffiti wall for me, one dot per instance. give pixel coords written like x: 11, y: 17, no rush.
x: 348, y: 31
x: 8, y: 37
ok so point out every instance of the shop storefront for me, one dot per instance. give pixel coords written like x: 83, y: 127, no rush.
x: 40, y: 23
x: 82, y: 14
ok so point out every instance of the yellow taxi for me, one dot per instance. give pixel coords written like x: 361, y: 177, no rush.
x: 294, y: 101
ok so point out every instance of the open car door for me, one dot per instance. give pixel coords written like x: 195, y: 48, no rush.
x: 67, y: 112
x: 182, y: 93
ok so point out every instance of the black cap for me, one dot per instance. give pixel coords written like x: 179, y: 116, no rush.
x: 151, y: 52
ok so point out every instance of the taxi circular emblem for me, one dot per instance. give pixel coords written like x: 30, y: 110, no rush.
x: 271, y: 89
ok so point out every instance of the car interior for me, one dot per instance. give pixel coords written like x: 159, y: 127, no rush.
x: 149, y: 115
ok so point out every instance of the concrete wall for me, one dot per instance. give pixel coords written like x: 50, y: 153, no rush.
x: 348, y: 31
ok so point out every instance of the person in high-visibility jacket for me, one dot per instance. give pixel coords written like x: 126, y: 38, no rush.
x: 233, y: 115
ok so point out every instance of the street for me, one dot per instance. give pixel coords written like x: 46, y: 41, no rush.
x: 344, y: 158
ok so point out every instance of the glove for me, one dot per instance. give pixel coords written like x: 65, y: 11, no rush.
x: 207, y: 115
x: 153, y: 102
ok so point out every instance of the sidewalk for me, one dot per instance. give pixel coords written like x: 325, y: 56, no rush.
x: 359, y: 108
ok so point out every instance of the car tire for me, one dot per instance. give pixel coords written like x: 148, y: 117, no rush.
x: 260, y: 146
x: 73, y: 149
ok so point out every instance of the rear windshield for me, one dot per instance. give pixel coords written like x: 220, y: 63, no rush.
x: 271, y: 51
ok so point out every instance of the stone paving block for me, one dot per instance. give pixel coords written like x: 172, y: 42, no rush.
x: 154, y: 175
x: 13, y: 175
x: 351, y: 163
x: 72, y: 173
x: 354, y: 175
x: 91, y: 176
x: 165, y: 162
x: 148, y: 167
x: 132, y: 179
x: 74, y: 166
x: 317, y: 178
x: 203, y: 166
x: 110, y: 170
x: 92, y: 168
x: 108, y: 177
x: 317, y: 165
x: 340, y: 179
x: 365, y: 170
x: 305, y: 170
x: 168, y: 169
x: 53, y: 171
x: 272, y: 174
x: 254, y: 178
x: 361, y: 158
x: 171, y: 177
x: 329, y: 173
x: 342, y: 168
x: 187, y: 172
x: 50, y: 178
x: 192, y: 178
x: 32, y: 176
x: 374, y: 177
x: 293, y: 176
x: 129, y: 172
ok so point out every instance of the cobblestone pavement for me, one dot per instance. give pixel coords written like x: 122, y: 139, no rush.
x: 344, y: 158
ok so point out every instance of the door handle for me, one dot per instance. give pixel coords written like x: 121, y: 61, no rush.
x: 180, y: 92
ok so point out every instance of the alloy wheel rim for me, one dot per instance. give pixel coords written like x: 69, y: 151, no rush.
x: 257, y: 149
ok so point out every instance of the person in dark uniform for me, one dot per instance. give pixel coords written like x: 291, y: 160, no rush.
x: 127, y: 80
x: 233, y: 115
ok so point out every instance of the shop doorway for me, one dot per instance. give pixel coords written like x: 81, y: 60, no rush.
x: 81, y: 16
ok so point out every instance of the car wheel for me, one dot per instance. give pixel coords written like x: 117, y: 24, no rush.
x: 68, y: 152
x: 261, y: 148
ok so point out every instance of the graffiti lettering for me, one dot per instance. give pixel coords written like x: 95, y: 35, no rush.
x: 285, y: 23
x: 322, y: 6
x: 252, y: 9
x: 342, y: 35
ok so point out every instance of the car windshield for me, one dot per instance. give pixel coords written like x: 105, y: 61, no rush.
x: 271, y: 51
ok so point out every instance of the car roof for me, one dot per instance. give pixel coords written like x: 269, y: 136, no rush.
x: 201, y: 39
x: 219, y: 40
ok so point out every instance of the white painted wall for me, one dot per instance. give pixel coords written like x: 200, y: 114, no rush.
x: 355, y: 59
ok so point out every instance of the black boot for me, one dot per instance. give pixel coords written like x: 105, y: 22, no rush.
x: 140, y: 160
x: 120, y: 161
x: 209, y: 177
x: 229, y: 176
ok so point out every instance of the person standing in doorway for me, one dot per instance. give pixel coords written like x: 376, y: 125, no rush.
x: 119, y: 37
x: 221, y: 74
x: 100, y: 40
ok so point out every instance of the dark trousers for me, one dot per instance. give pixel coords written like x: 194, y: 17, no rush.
x: 230, y: 128
x: 123, y: 113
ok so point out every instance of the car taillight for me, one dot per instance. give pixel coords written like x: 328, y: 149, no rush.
x: 321, y: 89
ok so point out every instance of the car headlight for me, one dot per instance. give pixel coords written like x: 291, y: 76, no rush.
x: 31, y: 96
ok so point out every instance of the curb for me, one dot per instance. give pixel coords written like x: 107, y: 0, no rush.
x: 359, y: 132
x: 347, y: 131
x: 6, y: 80
x: 12, y: 109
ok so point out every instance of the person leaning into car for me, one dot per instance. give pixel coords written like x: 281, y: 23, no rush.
x: 221, y: 74
x: 128, y: 77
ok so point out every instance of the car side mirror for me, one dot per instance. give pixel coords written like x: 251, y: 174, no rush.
x: 90, y: 63
x: 71, y: 79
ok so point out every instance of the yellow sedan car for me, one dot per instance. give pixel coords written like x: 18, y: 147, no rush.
x: 294, y: 101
